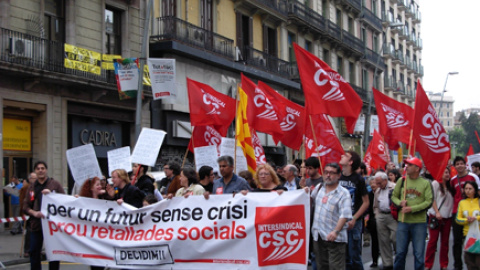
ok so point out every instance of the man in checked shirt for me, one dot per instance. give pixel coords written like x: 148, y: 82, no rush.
x: 333, y: 208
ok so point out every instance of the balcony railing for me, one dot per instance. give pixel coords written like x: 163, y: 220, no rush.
x: 362, y: 93
x: 389, y: 83
x: 388, y: 50
x: 37, y: 53
x: 402, y: 4
x: 387, y: 18
x: 171, y: 28
x: 266, y: 61
x: 420, y: 70
x: 372, y: 19
x: 308, y: 16
x: 334, y: 30
x: 374, y: 58
x: 400, y: 87
x: 354, y: 5
x: 418, y: 44
x: 277, y: 5
x: 399, y: 56
x: 352, y: 42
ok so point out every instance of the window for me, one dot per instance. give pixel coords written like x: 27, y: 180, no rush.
x: 375, y: 44
x: 364, y: 79
x: 54, y: 20
x: 113, y: 31
x: 364, y: 36
x: 340, y: 66
x: 448, y: 123
x: 308, y: 45
x: 448, y: 114
x: 351, y: 72
x: 448, y: 105
x: 325, y: 9
x: 291, y: 54
x: 169, y: 8
x: 338, y: 17
x: 374, y: 7
x: 326, y: 56
x: 206, y: 9
x: 350, y: 26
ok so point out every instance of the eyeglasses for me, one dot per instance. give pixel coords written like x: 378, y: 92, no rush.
x: 264, y: 174
x: 329, y: 172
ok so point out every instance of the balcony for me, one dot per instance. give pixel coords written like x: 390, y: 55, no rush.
x: 373, y: 59
x: 389, y: 83
x: 411, y: 39
x: 265, y: 61
x: 418, y: 17
x: 409, y: 64
x: 387, y: 18
x: 402, y: 4
x: 418, y: 44
x: 171, y: 28
x: 372, y: 20
x: 354, y: 6
x: 352, y: 43
x: 403, y: 33
x: 362, y: 93
x: 388, y: 51
x: 306, y: 16
x: 30, y: 54
x: 334, y: 31
x: 400, y: 88
x: 410, y: 11
x: 398, y: 58
x: 420, y: 70
x: 273, y: 10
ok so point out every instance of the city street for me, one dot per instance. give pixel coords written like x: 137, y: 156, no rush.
x: 367, y: 259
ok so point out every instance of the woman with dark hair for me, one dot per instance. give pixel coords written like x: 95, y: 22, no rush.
x: 189, y: 183
x: 440, y: 217
x: 393, y: 175
x: 92, y: 188
x: 468, y: 212
x: 124, y: 191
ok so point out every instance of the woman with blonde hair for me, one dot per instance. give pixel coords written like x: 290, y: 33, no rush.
x: 266, y: 179
x: 123, y: 191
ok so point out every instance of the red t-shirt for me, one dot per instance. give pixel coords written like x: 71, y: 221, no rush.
x: 459, y: 192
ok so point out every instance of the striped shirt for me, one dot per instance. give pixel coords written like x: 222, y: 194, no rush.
x: 329, y: 208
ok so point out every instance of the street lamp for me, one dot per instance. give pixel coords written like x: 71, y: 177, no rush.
x: 445, y: 86
x: 366, y: 132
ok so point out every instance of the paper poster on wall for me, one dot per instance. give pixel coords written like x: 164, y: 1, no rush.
x: 206, y: 156
x: 162, y: 77
x: 83, y: 163
x: 148, y: 146
x: 119, y: 159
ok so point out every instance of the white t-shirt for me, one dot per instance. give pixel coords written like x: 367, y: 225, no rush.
x: 445, y: 199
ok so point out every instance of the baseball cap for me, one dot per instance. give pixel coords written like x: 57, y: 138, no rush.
x: 414, y: 161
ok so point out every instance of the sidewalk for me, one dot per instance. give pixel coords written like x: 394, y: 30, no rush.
x: 10, y: 245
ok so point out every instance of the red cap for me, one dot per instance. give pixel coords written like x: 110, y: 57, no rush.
x: 414, y: 161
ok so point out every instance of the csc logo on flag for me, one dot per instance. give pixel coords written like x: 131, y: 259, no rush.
x: 281, y: 235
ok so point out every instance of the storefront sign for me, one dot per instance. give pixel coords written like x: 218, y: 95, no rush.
x: 17, y: 135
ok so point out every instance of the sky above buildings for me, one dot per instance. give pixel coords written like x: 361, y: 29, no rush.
x: 449, y: 30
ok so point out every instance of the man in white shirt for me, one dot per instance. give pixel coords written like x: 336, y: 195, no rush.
x: 290, y: 173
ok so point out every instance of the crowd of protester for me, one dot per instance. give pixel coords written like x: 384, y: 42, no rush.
x: 391, y: 207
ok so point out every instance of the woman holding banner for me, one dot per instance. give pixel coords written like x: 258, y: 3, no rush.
x: 469, y: 214
x: 189, y: 183
x: 92, y: 188
x: 123, y: 191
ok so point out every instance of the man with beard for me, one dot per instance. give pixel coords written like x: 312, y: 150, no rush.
x: 333, y: 207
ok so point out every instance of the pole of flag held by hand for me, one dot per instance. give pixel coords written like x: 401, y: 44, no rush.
x: 316, y: 144
x: 141, y: 62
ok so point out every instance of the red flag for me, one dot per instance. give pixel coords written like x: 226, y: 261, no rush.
x: 469, y: 153
x: 376, y: 156
x: 207, y: 135
x: 326, y: 92
x: 261, y: 114
x: 431, y: 139
x: 328, y: 145
x: 395, y: 119
x: 257, y: 146
x: 209, y: 107
x: 293, y: 121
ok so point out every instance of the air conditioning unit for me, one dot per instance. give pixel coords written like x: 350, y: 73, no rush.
x: 21, y: 47
x: 238, y: 54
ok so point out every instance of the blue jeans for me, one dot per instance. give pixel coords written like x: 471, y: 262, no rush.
x: 417, y: 234
x: 36, y: 243
x: 354, y: 248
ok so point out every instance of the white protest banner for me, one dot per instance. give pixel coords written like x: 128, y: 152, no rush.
x: 471, y: 159
x: 373, y: 123
x: 240, y: 161
x: 206, y: 156
x: 83, y: 163
x: 162, y: 77
x: 148, y: 146
x: 256, y: 231
x: 119, y: 159
x: 227, y: 147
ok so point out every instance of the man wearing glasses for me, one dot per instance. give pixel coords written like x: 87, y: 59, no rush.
x: 171, y: 182
x: 333, y: 207
x: 230, y: 182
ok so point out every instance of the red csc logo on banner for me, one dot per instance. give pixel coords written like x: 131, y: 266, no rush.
x: 281, y: 235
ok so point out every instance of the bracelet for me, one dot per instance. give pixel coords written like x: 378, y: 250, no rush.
x: 337, y: 232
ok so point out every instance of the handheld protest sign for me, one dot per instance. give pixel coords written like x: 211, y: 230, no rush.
x: 206, y: 156
x: 119, y: 159
x: 148, y: 146
x: 83, y: 163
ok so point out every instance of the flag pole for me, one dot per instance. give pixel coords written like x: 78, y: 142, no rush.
x: 236, y: 117
x: 410, y: 142
x: 316, y: 144
x: 385, y: 150
x: 185, y: 156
